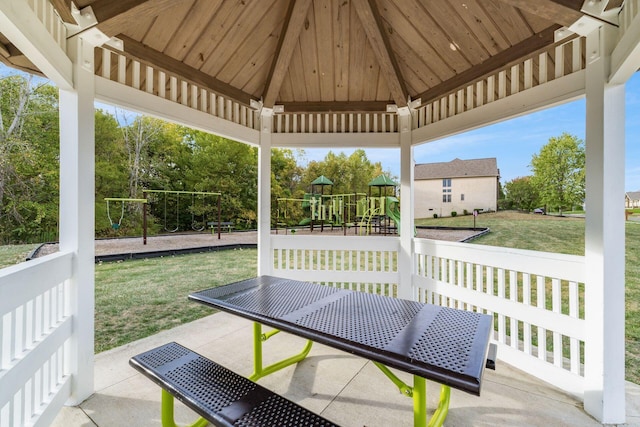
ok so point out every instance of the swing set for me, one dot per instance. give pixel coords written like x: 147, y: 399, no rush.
x: 116, y: 224
x: 198, y: 213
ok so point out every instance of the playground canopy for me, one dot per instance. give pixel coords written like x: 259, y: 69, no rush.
x: 322, y: 180
x: 382, y: 181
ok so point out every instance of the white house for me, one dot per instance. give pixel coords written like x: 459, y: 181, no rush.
x: 456, y: 186
x: 360, y: 73
x: 632, y: 199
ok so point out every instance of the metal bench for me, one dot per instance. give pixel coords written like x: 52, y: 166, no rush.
x: 217, y: 394
x: 228, y: 225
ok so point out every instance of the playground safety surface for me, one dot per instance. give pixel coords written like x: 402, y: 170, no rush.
x: 185, y: 242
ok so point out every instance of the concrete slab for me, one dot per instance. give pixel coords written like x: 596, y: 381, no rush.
x: 345, y: 389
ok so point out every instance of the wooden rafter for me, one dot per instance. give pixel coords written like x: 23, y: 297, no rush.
x: 515, y: 52
x: 63, y: 7
x: 294, y: 21
x: 174, y: 67
x: 335, y: 107
x: 564, y: 12
x: 373, y: 28
x: 111, y: 14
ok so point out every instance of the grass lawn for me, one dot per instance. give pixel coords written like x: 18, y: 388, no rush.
x: 562, y: 235
x: 135, y: 299
x: 14, y: 254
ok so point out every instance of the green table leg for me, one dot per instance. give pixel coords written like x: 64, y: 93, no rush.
x: 166, y: 410
x: 419, y: 394
x: 259, y: 370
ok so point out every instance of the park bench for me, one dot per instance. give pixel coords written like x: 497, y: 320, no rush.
x: 217, y: 394
x: 228, y: 225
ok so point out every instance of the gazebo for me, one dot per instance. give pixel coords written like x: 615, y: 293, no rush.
x: 317, y: 73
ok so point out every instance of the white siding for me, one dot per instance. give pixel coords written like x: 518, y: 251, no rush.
x: 479, y: 193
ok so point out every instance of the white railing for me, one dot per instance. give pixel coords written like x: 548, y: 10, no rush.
x: 132, y: 73
x: 35, y: 324
x: 335, y: 123
x: 363, y: 263
x: 536, y: 298
x: 46, y: 13
x: 541, y: 68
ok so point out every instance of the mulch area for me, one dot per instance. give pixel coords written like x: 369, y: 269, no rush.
x: 177, y: 241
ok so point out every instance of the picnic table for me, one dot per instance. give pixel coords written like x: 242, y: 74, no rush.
x: 442, y: 344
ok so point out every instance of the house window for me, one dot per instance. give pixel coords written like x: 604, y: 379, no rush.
x: 462, y: 197
x: 446, y: 190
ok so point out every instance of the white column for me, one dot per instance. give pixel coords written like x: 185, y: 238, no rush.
x: 405, y: 257
x: 77, y: 194
x: 604, y: 239
x: 264, y: 193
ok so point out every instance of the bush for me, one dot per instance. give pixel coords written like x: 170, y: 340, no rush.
x: 465, y: 212
x: 454, y: 213
x: 435, y: 215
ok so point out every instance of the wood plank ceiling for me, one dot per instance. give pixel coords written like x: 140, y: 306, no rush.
x: 328, y: 55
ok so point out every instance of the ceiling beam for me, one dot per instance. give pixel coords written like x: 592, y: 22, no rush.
x: 174, y: 67
x: 111, y: 15
x: 335, y: 107
x: 526, y: 47
x: 293, y: 23
x: 374, y: 29
x: 564, y: 12
x: 63, y: 7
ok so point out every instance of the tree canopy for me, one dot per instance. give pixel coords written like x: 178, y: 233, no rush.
x: 133, y: 153
x: 522, y: 194
x: 558, y: 172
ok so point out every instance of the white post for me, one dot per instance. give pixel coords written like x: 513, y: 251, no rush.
x: 405, y: 257
x: 264, y: 193
x: 604, y: 238
x: 77, y: 194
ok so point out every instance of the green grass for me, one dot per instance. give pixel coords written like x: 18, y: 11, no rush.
x: 14, y: 254
x: 136, y: 299
x: 562, y: 235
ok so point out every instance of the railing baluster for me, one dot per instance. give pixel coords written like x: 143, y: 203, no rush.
x: 502, y: 333
x: 526, y: 300
x: 542, y: 332
x: 556, y: 300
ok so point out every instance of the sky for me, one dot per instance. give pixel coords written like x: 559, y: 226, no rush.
x: 515, y: 141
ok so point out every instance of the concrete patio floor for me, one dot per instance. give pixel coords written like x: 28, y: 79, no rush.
x: 347, y: 390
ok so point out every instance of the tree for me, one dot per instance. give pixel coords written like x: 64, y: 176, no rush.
x: 558, y: 172
x: 29, y: 159
x: 349, y: 174
x: 522, y: 194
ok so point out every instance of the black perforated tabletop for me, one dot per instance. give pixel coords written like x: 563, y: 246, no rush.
x: 442, y: 344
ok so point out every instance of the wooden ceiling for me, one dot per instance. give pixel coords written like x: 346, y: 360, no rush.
x: 328, y: 55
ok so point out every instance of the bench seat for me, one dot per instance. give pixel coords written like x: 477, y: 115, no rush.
x: 219, y: 395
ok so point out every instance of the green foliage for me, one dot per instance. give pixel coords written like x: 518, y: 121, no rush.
x: 559, y: 172
x: 29, y: 165
x: 522, y: 194
x: 454, y: 213
x: 350, y: 174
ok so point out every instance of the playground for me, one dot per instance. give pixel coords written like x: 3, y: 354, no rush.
x: 376, y: 212
x: 175, y: 243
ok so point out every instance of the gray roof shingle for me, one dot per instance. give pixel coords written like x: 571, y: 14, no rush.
x: 633, y: 195
x: 457, y: 169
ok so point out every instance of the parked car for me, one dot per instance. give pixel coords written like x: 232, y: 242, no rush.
x: 540, y: 211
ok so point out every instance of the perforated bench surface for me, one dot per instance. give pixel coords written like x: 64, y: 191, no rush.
x: 217, y: 394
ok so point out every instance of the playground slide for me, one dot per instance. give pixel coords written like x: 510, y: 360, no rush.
x: 393, y: 211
